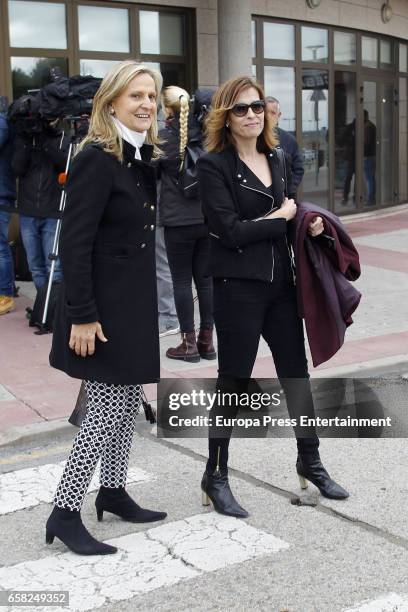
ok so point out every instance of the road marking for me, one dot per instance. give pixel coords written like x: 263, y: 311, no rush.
x: 5, y: 395
x: 160, y: 556
x: 32, y: 486
x: 391, y: 602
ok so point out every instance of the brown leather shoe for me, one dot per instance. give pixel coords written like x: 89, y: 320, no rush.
x: 6, y: 304
x: 187, y: 350
x: 205, y: 344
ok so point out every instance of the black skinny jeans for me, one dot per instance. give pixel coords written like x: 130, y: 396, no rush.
x: 188, y: 248
x: 245, y: 310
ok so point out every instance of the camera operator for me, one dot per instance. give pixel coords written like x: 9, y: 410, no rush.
x: 38, y: 158
x: 7, y: 202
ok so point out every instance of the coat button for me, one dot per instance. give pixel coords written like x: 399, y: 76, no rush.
x: 142, y: 246
x: 145, y: 227
x: 244, y: 181
x: 283, y: 180
x: 152, y: 207
x: 270, y: 154
x: 129, y: 165
x: 137, y: 184
x: 151, y: 228
x: 145, y: 205
x: 239, y: 175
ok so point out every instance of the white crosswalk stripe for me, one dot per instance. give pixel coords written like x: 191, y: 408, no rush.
x: 161, y: 556
x: 391, y: 602
x: 32, y: 486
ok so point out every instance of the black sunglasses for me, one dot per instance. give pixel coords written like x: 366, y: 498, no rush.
x: 241, y: 109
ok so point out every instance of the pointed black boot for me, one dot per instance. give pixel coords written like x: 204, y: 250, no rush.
x: 215, y: 487
x: 118, y: 501
x: 67, y: 526
x: 310, y: 467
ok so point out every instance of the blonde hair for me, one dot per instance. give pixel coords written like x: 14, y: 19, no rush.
x: 101, y: 127
x: 217, y: 135
x: 178, y: 100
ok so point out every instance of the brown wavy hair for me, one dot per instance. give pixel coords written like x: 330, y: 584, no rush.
x: 217, y: 136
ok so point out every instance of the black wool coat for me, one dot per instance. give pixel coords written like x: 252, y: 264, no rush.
x: 107, y: 251
x: 241, y: 247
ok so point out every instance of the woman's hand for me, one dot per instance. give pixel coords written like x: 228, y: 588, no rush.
x: 316, y: 227
x: 82, y: 339
x: 287, y: 211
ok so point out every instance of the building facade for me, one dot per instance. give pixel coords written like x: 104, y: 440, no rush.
x: 339, y: 70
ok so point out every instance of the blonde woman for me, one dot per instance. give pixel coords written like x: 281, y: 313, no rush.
x: 242, y: 186
x: 106, y: 329
x: 185, y: 234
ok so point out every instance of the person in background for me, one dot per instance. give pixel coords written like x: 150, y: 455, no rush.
x: 185, y: 233
x: 37, y: 161
x: 168, y: 321
x: 286, y: 140
x: 7, y: 204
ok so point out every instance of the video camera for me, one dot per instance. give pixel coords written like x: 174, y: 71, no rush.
x: 68, y: 98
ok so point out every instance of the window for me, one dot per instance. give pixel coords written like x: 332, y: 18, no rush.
x: 314, y: 45
x: 37, y: 25
x: 385, y: 54
x: 279, y: 41
x: 403, y: 58
x: 280, y: 83
x: 33, y: 72
x: 344, y: 48
x: 253, y: 38
x: 96, y: 68
x: 315, y: 124
x: 369, y: 51
x: 103, y: 29
x: 161, y: 33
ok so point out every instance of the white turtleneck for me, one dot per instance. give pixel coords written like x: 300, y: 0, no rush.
x: 136, y: 139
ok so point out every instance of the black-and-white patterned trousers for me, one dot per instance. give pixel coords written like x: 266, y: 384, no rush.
x: 106, y: 433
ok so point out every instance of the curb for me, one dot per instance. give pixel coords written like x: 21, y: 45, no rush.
x: 35, y: 432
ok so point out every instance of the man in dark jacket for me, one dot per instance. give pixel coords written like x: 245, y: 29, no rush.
x: 7, y: 202
x: 37, y: 161
x: 287, y: 141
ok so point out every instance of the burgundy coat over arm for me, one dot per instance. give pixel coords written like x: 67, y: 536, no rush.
x: 326, y: 298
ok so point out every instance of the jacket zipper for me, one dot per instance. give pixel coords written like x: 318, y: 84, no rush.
x: 273, y: 200
x: 292, y: 265
x: 258, y: 191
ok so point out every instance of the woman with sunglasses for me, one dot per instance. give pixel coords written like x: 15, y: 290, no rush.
x: 242, y: 187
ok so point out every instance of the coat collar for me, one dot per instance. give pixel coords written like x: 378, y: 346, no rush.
x: 146, y: 152
x: 278, y: 181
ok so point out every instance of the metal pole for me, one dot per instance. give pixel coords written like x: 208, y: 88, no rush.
x: 53, y: 256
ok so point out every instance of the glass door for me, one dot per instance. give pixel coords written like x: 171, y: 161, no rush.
x: 378, y: 160
x: 371, y: 143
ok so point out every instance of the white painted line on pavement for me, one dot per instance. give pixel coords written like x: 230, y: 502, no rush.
x: 391, y: 602
x: 145, y: 561
x: 32, y: 486
x: 5, y: 396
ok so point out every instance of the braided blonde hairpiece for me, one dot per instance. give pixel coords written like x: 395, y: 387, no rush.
x: 178, y: 100
x: 184, y: 108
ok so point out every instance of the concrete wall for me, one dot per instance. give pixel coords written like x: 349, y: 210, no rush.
x: 358, y: 14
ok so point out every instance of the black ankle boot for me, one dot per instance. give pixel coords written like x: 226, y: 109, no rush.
x: 310, y: 467
x: 118, y: 501
x: 215, y: 487
x: 68, y: 527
